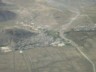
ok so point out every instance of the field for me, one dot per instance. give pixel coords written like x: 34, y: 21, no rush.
x: 49, y: 59
x: 30, y: 28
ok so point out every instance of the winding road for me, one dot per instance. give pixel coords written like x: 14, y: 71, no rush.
x: 64, y: 28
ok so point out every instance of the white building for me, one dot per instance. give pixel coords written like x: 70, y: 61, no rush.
x: 5, y: 49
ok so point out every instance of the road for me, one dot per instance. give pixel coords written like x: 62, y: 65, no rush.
x: 64, y: 28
